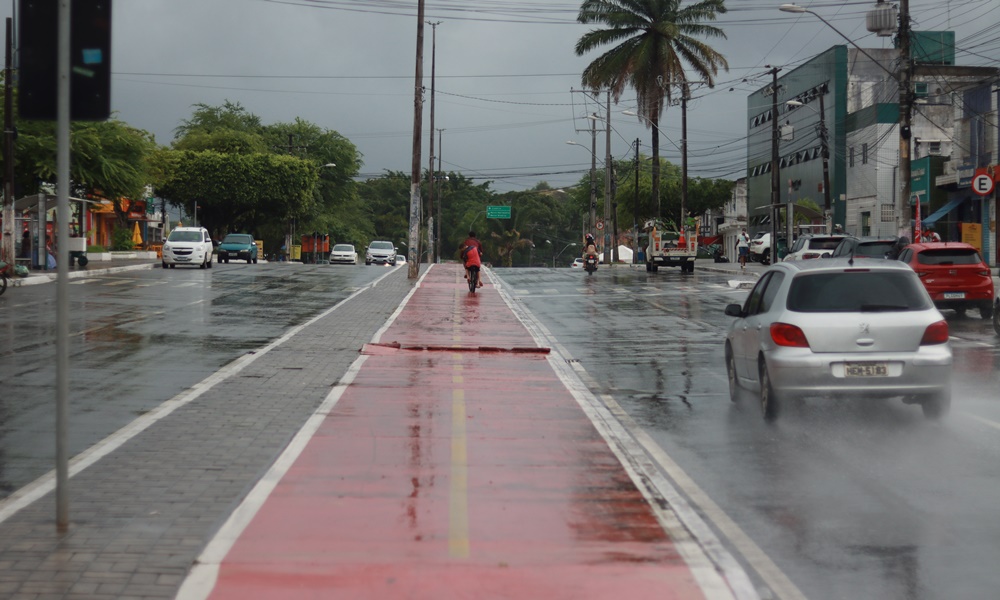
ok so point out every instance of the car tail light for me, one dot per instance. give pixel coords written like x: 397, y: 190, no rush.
x: 936, y: 333
x: 985, y: 273
x: 792, y: 336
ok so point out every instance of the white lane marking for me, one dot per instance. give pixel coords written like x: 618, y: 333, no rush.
x: 46, y: 483
x: 718, y: 573
x: 983, y: 420
x: 203, y: 575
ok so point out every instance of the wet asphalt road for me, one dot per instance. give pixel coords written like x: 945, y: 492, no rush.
x: 855, y: 498
x: 138, y: 338
x: 846, y: 499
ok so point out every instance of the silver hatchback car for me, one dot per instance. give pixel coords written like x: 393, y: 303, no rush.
x: 839, y: 328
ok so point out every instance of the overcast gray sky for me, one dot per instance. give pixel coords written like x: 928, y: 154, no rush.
x: 505, y: 71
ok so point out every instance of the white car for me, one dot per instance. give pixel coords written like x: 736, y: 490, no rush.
x: 344, y: 254
x: 577, y: 263
x: 380, y: 253
x: 400, y: 259
x: 188, y: 246
x: 813, y: 246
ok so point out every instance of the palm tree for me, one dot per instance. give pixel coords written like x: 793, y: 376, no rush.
x: 652, y: 41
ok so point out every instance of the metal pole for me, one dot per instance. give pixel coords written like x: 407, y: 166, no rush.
x: 610, y: 245
x: 635, y: 209
x: 593, y: 168
x: 62, y: 269
x: 437, y: 238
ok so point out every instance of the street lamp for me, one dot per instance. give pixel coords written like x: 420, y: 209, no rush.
x: 558, y: 254
x: 825, y: 152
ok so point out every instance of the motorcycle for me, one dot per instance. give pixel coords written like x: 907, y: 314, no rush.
x: 590, y: 263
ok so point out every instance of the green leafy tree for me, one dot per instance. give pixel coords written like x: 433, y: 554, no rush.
x: 651, y: 42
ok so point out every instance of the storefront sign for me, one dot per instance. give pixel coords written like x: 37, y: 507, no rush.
x: 972, y: 234
x: 965, y: 173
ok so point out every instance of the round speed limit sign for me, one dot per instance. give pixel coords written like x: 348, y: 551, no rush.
x: 982, y: 184
x: 599, y: 225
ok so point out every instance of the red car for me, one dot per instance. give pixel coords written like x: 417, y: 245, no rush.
x: 954, y: 274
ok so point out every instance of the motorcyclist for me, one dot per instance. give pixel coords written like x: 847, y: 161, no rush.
x: 589, y: 246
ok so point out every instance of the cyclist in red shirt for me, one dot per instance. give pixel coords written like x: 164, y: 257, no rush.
x: 472, y: 250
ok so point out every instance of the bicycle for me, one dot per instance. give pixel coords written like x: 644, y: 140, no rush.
x: 473, y: 278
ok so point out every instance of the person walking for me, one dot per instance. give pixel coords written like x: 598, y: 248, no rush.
x: 743, y: 248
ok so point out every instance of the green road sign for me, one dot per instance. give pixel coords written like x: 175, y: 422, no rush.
x: 497, y: 212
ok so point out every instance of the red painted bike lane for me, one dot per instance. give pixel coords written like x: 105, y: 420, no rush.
x: 455, y: 465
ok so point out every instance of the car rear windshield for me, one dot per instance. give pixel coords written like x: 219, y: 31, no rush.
x: 343, y: 248
x: 184, y: 236
x: 236, y: 239
x: 824, y: 243
x: 949, y: 256
x: 873, y: 249
x: 381, y: 246
x: 857, y: 290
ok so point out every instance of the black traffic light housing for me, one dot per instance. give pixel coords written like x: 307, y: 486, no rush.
x: 90, y: 59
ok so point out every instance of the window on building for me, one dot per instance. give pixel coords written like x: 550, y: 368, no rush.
x: 888, y: 213
x: 864, y: 154
x: 934, y: 148
x: 850, y: 158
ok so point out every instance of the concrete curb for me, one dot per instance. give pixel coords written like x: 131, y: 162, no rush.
x: 36, y: 279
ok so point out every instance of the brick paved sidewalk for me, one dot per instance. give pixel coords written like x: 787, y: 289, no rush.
x: 141, y: 515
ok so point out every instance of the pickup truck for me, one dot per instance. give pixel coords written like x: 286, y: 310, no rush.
x: 668, y: 247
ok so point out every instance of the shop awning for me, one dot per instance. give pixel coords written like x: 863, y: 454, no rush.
x: 31, y: 202
x: 932, y: 218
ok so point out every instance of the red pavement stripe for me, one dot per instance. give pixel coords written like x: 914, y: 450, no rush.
x: 455, y: 475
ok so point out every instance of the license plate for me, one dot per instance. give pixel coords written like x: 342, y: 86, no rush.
x: 954, y: 295
x: 866, y: 369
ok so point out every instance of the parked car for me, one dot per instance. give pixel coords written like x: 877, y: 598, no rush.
x: 239, y: 246
x: 954, y: 274
x: 187, y: 246
x: 380, y: 253
x: 343, y: 254
x: 760, y: 248
x: 827, y: 328
x: 866, y: 247
x: 809, y: 246
x: 400, y: 259
x: 576, y: 264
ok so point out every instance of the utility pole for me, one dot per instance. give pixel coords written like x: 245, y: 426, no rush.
x: 635, y: 209
x: 290, y: 236
x: 775, y: 166
x: 824, y: 138
x: 610, y: 244
x: 437, y: 238
x: 685, y: 95
x: 905, y: 121
x: 593, y: 168
x: 430, y: 170
x: 7, y: 246
x: 412, y: 248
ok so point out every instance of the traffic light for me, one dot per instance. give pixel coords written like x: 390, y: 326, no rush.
x: 90, y: 59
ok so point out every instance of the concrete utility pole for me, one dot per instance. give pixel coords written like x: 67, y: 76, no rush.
x: 413, y: 248
x: 593, y: 169
x: 635, y: 209
x: 685, y: 95
x: 7, y: 245
x: 437, y: 238
x: 430, y: 170
x: 775, y: 166
x: 905, y: 121
x: 824, y: 137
